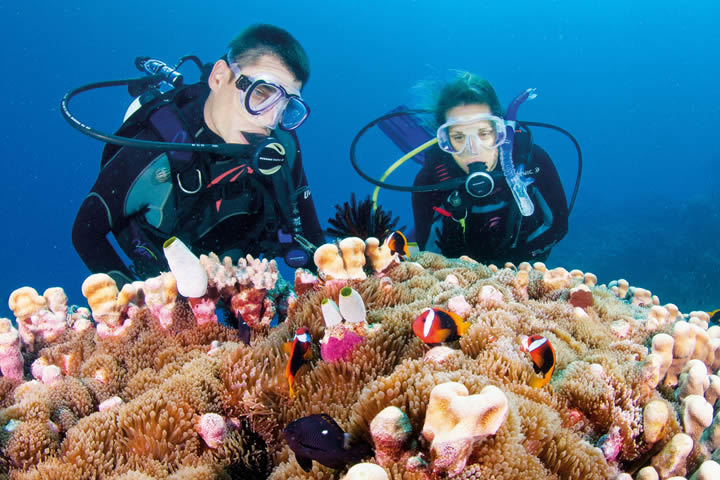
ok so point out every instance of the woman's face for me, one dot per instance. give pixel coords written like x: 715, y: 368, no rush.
x: 484, y: 131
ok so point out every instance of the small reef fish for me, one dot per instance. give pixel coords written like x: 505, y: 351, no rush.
x: 714, y: 317
x: 397, y: 243
x: 320, y: 438
x: 435, y: 326
x: 299, y: 351
x: 542, y: 354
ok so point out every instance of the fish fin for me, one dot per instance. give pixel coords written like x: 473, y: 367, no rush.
x: 304, y: 462
x: 290, y: 382
x: 442, y: 334
x: 541, y: 381
x: 464, y: 327
x: 308, y: 355
x: 287, y: 347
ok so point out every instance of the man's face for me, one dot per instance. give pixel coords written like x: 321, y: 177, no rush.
x: 224, y: 111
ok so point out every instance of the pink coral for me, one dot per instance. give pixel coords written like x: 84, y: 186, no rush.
x: 160, y: 295
x: 459, y: 305
x: 261, y: 274
x: 339, y: 341
x: 110, y: 403
x: 105, y: 330
x: 11, y: 360
x: 220, y: 274
x: 611, y: 444
x: 305, y: 281
x: 46, y: 372
x: 36, y: 321
x: 490, y: 296
x: 251, y: 290
x: 212, y: 428
x: 391, y: 432
x: 581, y: 296
x: 80, y: 320
x: 46, y: 325
x: 254, y: 307
x: 204, y: 310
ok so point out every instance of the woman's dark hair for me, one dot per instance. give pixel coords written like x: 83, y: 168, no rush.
x: 467, y: 89
x: 258, y: 40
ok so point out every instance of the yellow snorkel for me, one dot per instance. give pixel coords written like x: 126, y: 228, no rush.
x: 397, y: 163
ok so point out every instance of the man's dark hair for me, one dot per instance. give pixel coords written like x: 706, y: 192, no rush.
x: 468, y: 89
x: 258, y: 40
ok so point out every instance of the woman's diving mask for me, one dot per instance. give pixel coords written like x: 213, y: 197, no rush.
x: 265, y: 96
x: 472, y: 134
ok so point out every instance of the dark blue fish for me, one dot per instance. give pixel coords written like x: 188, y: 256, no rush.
x: 714, y: 317
x: 320, y: 438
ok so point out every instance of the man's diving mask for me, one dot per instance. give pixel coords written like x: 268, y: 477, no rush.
x: 266, y: 96
x: 471, y: 135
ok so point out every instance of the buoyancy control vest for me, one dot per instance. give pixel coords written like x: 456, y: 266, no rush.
x: 491, y: 228
x: 212, y: 202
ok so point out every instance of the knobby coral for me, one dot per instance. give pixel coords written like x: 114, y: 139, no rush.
x: 160, y: 388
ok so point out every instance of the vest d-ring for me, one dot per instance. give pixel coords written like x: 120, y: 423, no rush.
x: 190, y: 192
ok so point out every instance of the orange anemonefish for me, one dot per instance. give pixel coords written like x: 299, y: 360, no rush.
x: 299, y: 351
x: 542, y: 354
x: 435, y: 326
x: 397, y: 243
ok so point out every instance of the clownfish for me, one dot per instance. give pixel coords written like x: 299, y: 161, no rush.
x: 397, y: 243
x: 299, y: 351
x: 542, y: 354
x: 435, y: 326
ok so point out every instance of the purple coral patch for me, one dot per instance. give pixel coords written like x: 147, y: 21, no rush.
x: 340, y: 348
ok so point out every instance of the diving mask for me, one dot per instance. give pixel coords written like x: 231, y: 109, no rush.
x: 471, y: 134
x: 266, y: 96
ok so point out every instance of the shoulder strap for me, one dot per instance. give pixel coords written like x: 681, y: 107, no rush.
x: 141, y: 119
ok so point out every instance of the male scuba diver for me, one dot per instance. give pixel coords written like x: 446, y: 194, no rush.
x: 485, y: 190
x: 216, y: 164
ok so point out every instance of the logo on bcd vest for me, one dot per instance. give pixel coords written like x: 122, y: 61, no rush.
x: 271, y: 158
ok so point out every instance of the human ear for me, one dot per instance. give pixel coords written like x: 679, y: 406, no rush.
x: 218, y: 75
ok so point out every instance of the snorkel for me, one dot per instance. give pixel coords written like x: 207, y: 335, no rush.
x: 518, y: 184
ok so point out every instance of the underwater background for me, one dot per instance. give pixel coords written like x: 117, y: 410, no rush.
x: 635, y: 83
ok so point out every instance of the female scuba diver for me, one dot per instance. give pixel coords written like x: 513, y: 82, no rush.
x: 512, y: 206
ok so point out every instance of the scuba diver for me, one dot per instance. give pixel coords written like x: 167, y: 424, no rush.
x: 489, y: 228
x: 216, y: 164
x: 485, y: 190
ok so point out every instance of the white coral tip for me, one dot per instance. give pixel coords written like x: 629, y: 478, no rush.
x: 352, y: 306
x: 331, y: 313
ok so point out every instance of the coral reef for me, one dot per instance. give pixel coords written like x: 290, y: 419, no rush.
x: 347, y: 259
x: 155, y: 386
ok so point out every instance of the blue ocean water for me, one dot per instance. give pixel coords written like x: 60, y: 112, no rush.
x: 635, y: 82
